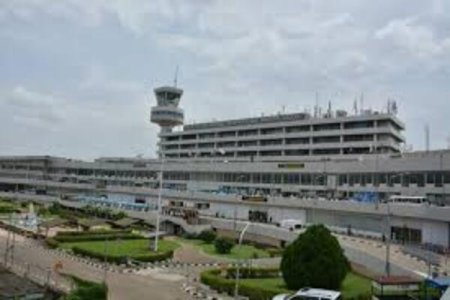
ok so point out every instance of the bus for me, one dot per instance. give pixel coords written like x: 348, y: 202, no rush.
x: 401, y: 199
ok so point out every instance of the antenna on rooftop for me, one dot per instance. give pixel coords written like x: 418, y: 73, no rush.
x: 175, y: 80
x: 355, y: 106
x: 427, y: 138
x: 316, y: 106
x: 361, y: 103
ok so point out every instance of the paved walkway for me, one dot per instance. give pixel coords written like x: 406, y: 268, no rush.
x: 188, y: 253
x: 378, y: 249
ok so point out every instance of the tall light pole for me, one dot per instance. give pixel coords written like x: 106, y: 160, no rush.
x: 388, y: 231
x: 239, y: 178
x: 236, y: 283
x: 158, y: 209
x: 388, y: 241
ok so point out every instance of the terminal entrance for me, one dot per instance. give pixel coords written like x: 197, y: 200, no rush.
x: 258, y: 216
x: 406, y: 235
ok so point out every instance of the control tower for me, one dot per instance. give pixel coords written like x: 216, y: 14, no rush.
x: 166, y: 113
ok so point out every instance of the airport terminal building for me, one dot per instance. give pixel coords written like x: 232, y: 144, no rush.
x: 334, y: 168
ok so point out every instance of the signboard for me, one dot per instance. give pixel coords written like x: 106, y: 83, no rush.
x: 291, y: 165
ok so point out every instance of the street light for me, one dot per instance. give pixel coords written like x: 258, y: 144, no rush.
x: 388, y: 225
x: 241, y: 237
x: 158, y: 210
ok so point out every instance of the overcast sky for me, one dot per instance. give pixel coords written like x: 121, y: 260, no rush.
x: 77, y: 77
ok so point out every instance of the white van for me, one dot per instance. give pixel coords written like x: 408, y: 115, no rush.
x: 310, y: 294
x: 292, y: 224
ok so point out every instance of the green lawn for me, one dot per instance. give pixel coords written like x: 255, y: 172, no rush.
x: 122, y: 248
x: 243, y: 252
x: 352, y: 286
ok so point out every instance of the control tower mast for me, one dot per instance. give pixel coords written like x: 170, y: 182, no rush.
x: 166, y: 113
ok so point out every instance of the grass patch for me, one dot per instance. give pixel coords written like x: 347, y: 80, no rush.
x: 129, y: 248
x: 354, y: 286
x: 87, y: 290
x: 243, y: 252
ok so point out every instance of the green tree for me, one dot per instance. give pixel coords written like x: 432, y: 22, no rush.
x: 314, y: 259
x: 208, y: 236
x: 223, y: 245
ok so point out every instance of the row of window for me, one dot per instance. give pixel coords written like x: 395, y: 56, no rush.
x: 290, y: 152
x: 290, y: 141
x: 420, y: 179
x: 289, y: 129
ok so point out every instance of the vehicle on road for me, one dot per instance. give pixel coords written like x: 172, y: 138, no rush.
x: 310, y: 294
x: 402, y: 199
x: 291, y: 224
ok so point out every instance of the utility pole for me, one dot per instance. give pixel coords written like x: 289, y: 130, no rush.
x: 105, y: 249
x: 158, y: 210
x: 388, y: 242
x: 236, y: 284
x: 8, y: 238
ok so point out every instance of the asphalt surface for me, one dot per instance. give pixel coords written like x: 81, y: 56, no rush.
x: 160, y: 284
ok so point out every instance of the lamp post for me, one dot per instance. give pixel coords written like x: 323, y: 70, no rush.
x: 158, y: 209
x: 239, y: 179
x: 236, y: 283
x: 388, y: 225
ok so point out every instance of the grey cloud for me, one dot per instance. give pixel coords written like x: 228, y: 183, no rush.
x: 238, y: 58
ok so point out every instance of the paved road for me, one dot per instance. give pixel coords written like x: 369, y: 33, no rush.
x: 160, y: 284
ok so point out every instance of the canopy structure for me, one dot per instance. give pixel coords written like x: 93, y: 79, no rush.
x: 395, y: 287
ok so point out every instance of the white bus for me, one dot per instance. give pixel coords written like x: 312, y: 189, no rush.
x: 310, y: 294
x: 291, y: 224
x: 418, y: 200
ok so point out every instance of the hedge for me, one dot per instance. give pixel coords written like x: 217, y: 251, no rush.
x: 226, y: 284
x: 84, y: 233
x: 96, y: 237
x: 86, y: 290
x: 52, y: 243
x: 120, y: 259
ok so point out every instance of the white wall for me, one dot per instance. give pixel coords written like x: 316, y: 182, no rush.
x: 435, y: 233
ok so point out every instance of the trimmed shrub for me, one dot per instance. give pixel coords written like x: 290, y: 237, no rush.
x: 213, y: 279
x: 92, y: 232
x: 253, y: 273
x: 95, y: 237
x: 51, y: 243
x: 120, y: 259
x: 87, y: 290
x: 223, y: 245
x: 314, y: 259
x: 208, y: 236
x: 190, y: 236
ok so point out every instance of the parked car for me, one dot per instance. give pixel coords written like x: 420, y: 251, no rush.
x: 310, y: 294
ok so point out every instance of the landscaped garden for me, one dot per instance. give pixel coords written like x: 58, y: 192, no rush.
x: 269, y: 283
x: 7, y: 206
x: 315, y: 259
x: 116, y: 246
x: 237, y: 252
x: 224, y: 247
